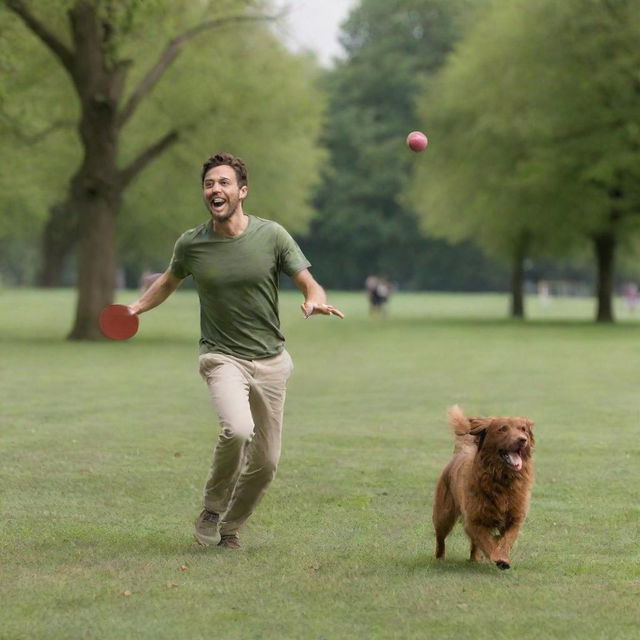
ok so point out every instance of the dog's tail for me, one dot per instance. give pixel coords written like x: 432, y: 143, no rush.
x: 460, y: 426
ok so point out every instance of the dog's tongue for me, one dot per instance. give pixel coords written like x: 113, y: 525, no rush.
x: 515, y: 460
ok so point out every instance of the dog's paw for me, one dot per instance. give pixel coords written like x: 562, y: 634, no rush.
x: 501, y: 564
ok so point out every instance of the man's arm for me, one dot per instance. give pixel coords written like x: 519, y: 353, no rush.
x: 315, y: 299
x: 157, y: 293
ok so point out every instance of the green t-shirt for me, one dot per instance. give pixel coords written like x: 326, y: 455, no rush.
x: 237, y: 281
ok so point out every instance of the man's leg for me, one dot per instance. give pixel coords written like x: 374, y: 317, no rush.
x: 228, y: 385
x: 266, y: 397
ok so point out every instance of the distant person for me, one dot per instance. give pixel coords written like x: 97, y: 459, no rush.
x: 236, y: 260
x: 544, y: 295
x: 631, y: 296
x: 379, y: 291
x: 370, y: 285
x: 148, y: 279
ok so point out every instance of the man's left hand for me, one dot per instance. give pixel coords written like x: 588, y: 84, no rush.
x: 311, y: 308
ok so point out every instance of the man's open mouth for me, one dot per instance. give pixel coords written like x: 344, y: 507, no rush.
x: 217, y: 202
x: 513, y: 459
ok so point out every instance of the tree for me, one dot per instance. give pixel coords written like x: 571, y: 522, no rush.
x: 36, y: 117
x: 363, y: 226
x: 594, y: 133
x: 536, y: 147
x: 96, y: 42
x: 270, y: 114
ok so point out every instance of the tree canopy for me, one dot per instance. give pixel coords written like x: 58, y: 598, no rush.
x: 363, y: 225
x: 536, y: 125
x: 126, y: 82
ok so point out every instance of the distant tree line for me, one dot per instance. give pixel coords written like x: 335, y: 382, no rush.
x: 532, y: 108
x: 364, y: 222
x: 537, y: 121
x: 533, y: 112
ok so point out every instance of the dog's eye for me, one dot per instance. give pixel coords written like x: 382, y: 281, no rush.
x: 503, y: 428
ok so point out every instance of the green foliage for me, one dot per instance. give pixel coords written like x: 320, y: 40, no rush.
x: 232, y: 88
x: 535, y: 127
x: 38, y: 144
x: 37, y: 112
x: 242, y: 93
x: 362, y: 224
x: 105, y: 449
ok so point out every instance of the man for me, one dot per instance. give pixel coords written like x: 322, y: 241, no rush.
x: 235, y: 260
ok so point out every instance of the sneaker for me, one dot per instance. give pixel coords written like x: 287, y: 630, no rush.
x: 206, y: 528
x: 230, y: 541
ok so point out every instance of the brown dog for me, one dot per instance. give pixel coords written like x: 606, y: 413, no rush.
x: 487, y: 482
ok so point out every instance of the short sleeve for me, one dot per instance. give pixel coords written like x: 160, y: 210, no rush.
x: 290, y: 256
x: 177, y: 265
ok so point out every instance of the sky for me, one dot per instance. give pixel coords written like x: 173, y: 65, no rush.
x: 314, y: 24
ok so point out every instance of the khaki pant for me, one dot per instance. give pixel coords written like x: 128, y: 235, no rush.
x: 248, y: 396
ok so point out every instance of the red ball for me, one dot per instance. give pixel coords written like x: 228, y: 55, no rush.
x: 417, y: 141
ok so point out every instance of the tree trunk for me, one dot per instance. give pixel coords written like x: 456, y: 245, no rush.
x: 96, y: 266
x: 517, y: 288
x: 58, y: 240
x: 96, y: 189
x: 96, y: 195
x: 517, y: 276
x: 605, y: 247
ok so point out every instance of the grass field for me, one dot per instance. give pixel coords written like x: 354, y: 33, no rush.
x: 105, y: 446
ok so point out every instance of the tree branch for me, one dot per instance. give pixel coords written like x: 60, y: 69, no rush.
x: 157, y: 148
x: 169, y: 54
x: 147, y: 156
x: 59, y: 49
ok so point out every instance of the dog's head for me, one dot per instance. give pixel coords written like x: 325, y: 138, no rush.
x: 509, y: 438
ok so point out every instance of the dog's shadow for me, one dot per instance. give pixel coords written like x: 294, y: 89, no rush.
x: 460, y: 566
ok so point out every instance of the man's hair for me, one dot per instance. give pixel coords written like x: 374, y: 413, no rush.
x: 226, y: 159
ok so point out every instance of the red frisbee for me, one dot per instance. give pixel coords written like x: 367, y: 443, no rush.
x: 118, y: 322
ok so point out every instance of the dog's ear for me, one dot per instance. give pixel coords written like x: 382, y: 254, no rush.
x: 478, y: 426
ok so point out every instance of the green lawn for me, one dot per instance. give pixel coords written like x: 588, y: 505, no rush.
x: 105, y: 446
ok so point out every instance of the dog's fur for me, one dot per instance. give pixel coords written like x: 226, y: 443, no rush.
x: 487, y: 482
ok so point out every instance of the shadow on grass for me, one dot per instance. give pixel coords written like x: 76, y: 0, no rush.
x: 105, y: 545
x: 16, y: 336
x: 453, y: 566
x: 61, y: 339
x: 447, y: 322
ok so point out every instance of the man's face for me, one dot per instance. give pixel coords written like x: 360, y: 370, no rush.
x: 222, y: 196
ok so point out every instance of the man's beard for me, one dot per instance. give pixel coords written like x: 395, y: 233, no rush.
x: 232, y: 207
x: 222, y: 217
